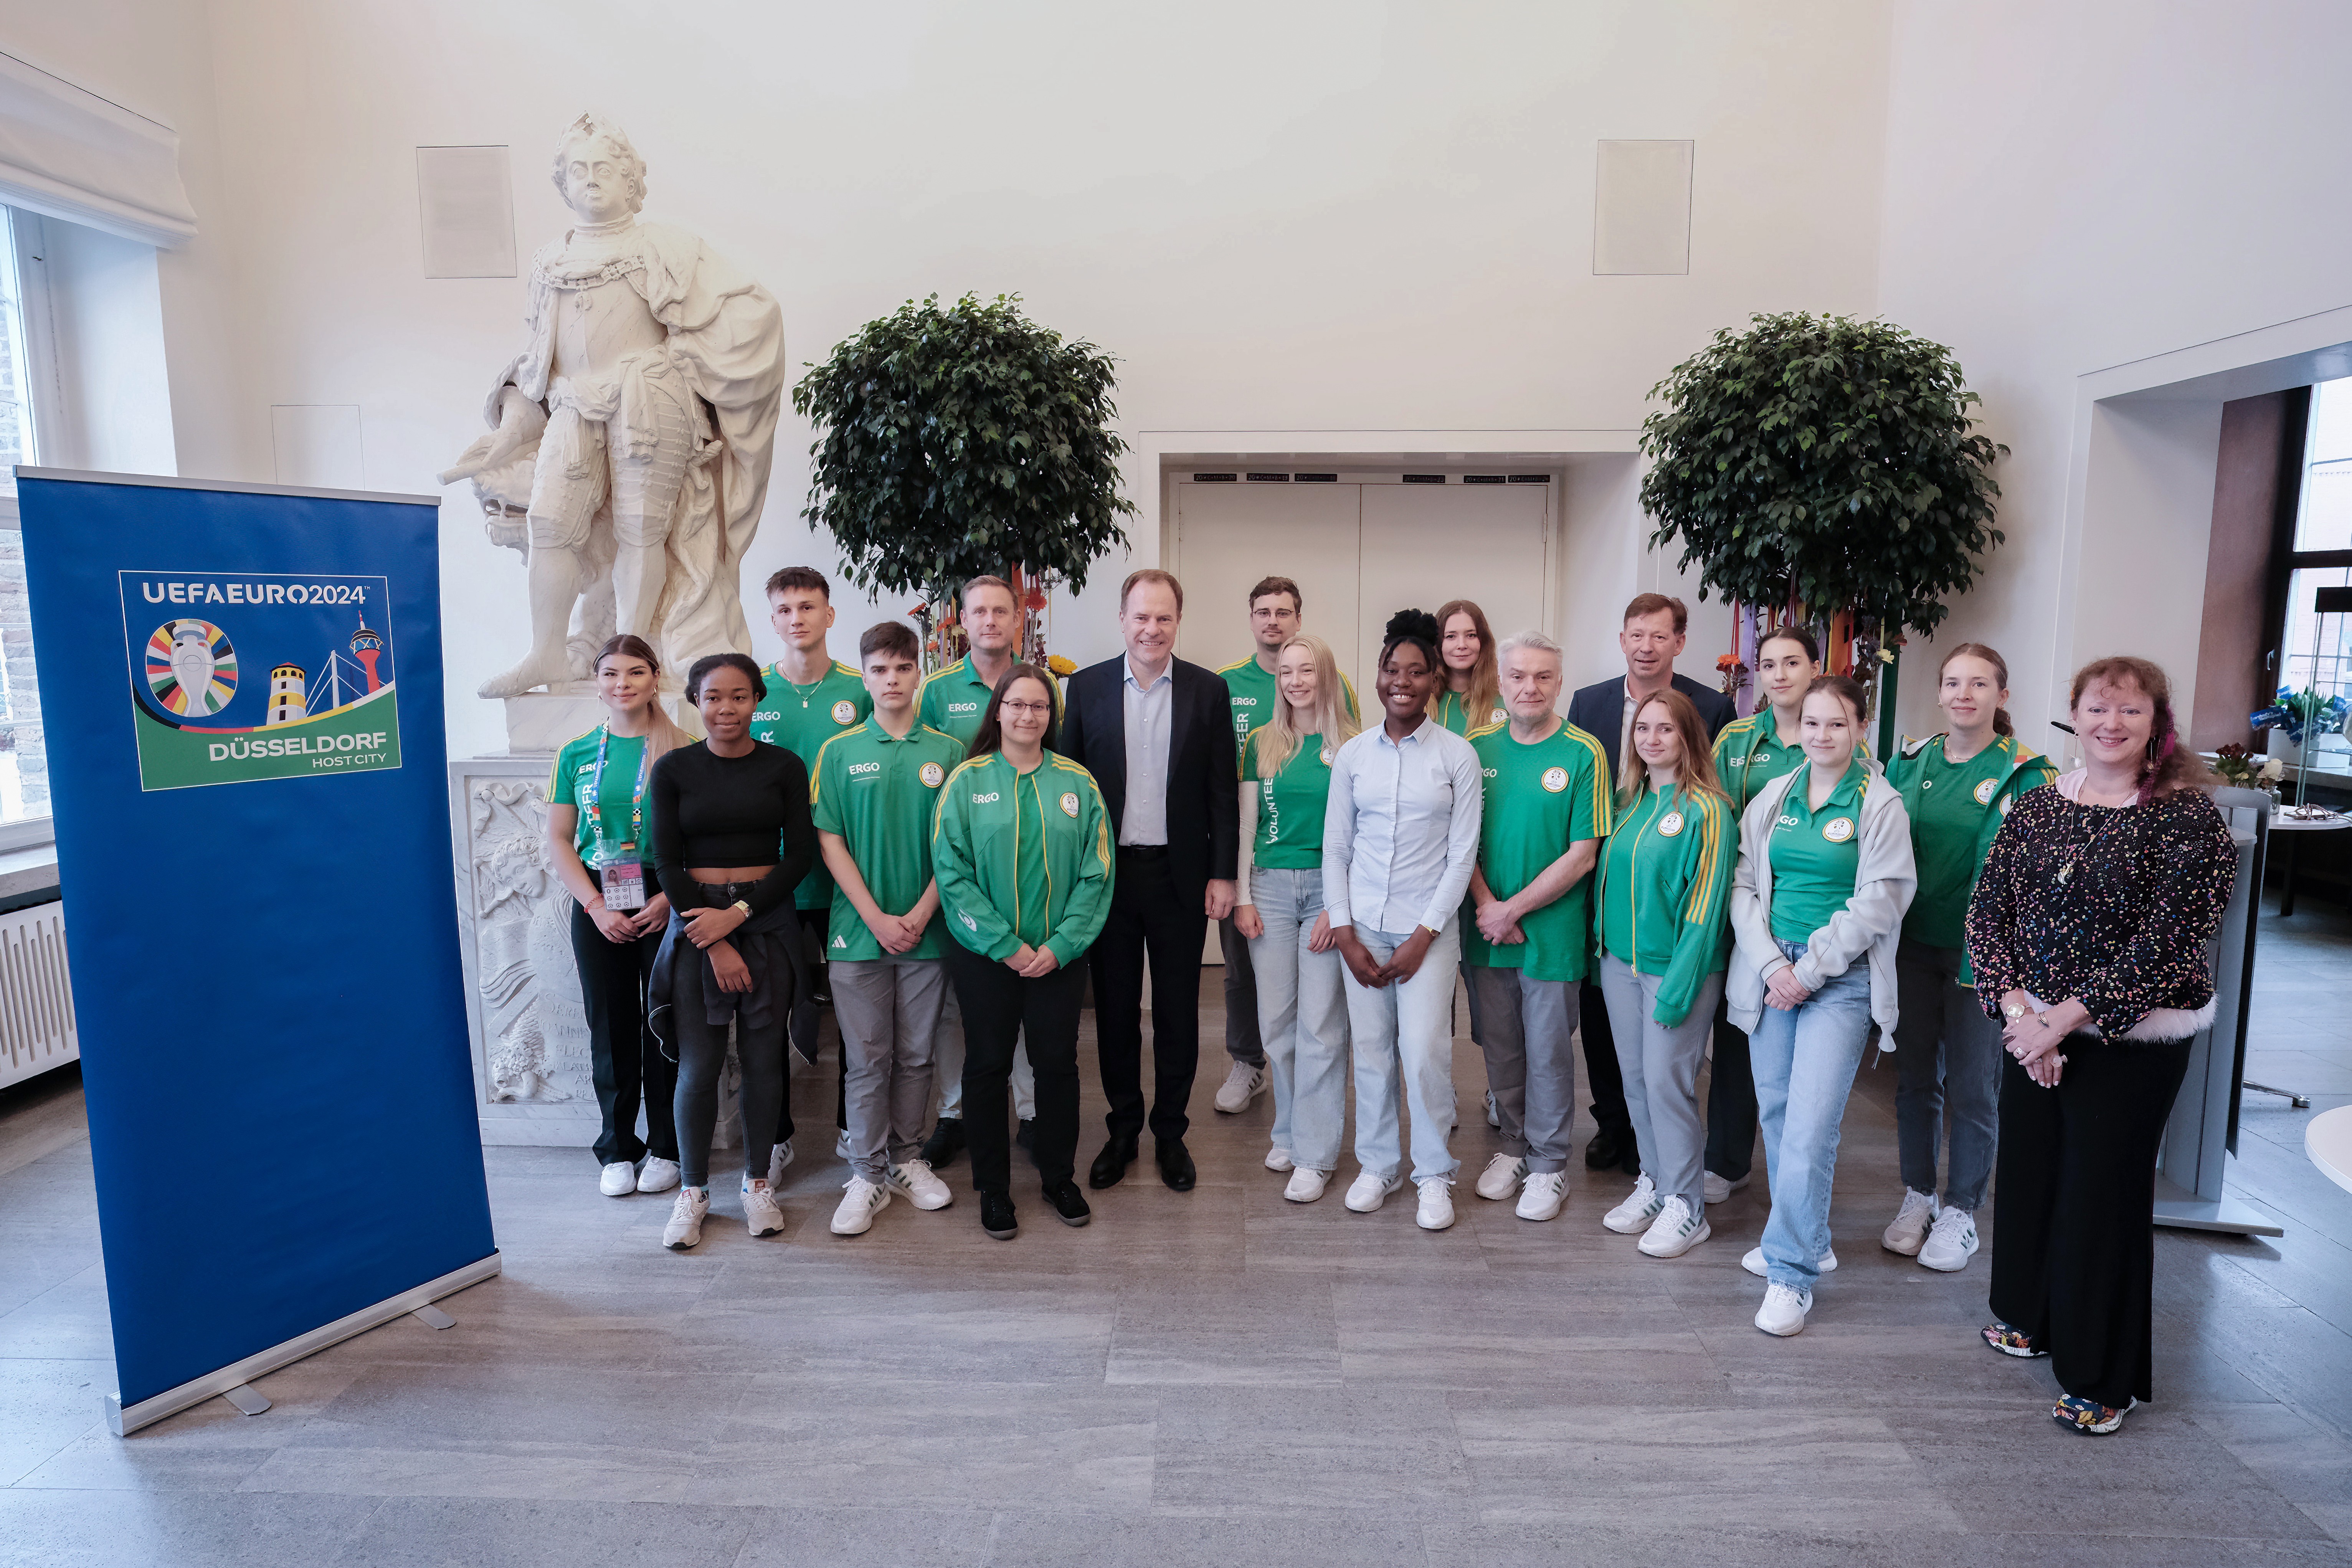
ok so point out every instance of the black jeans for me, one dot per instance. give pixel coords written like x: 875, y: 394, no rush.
x: 1731, y: 1101
x: 998, y: 1006
x: 1602, y: 1075
x: 2073, y: 1241
x: 702, y: 1057
x: 627, y: 1062
x: 1148, y: 919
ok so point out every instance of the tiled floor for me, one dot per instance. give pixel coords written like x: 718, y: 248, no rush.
x: 1219, y: 1377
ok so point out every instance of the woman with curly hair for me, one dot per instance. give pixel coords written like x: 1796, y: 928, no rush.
x: 1400, y: 839
x: 2087, y: 930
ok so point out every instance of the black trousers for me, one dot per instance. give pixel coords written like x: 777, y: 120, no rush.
x: 1148, y: 921
x: 1243, y: 1043
x: 808, y: 1017
x: 998, y: 1006
x: 1731, y: 1101
x: 626, y: 1061
x: 1602, y: 1075
x: 2073, y: 1243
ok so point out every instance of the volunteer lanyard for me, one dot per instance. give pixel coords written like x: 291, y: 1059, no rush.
x: 595, y: 787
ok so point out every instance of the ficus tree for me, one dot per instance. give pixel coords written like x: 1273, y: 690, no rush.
x: 958, y: 440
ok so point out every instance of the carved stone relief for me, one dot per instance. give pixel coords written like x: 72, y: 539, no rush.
x: 534, y: 1035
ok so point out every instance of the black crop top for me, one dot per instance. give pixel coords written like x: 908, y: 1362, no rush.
x: 751, y: 810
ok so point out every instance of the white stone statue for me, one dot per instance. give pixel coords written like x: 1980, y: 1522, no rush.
x: 630, y: 444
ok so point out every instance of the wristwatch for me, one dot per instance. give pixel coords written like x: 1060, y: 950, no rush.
x: 2013, y: 1009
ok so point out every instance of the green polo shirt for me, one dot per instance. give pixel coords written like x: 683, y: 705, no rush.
x: 1290, y: 805
x: 1816, y: 855
x: 1540, y: 800
x: 573, y: 780
x: 878, y: 793
x: 1450, y: 715
x: 955, y: 699
x: 1255, y: 694
x: 1955, y: 808
x: 802, y: 718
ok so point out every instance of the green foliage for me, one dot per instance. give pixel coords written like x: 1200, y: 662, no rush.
x: 962, y: 441
x: 1826, y: 458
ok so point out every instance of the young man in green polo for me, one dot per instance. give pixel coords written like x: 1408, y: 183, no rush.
x: 872, y: 794
x: 1276, y: 609
x: 811, y: 698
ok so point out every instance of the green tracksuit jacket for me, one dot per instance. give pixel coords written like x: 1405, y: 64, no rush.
x: 1022, y: 858
x: 1664, y: 889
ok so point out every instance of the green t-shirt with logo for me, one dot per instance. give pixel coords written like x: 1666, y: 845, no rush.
x: 802, y: 718
x: 1816, y: 855
x: 955, y: 699
x: 1290, y: 805
x: 1255, y: 695
x: 878, y: 793
x: 1954, y: 809
x: 1748, y: 755
x: 1539, y: 799
x: 573, y: 781
x: 1453, y: 715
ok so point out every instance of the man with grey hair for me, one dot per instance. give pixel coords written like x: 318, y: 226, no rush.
x: 1529, y: 951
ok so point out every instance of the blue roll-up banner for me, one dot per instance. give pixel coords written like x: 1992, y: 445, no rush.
x: 241, y: 686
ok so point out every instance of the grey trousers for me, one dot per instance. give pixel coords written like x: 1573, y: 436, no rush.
x: 889, y: 1010
x: 1244, y: 1040
x: 1661, y: 1068
x: 948, y: 1066
x: 1529, y: 1028
x: 1947, y: 1063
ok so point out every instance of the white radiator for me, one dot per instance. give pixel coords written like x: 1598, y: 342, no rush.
x: 37, y: 1016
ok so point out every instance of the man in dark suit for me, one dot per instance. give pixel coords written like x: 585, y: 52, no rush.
x: 1651, y: 637
x: 1158, y: 735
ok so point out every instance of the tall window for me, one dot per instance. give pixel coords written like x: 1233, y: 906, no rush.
x: 2315, y: 652
x: 24, y: 756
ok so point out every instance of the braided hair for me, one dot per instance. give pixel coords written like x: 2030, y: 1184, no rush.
x: 1418, y: 627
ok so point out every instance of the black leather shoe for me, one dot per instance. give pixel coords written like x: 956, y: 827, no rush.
x: 1631, y: 1164
x: 1025, y: 1134
x: 996, y: 1215
x: 1175, y: 1164
x: 945, y: 1142
x: 1111, y: 1163
x: 1603, y: 1152
x: 1069, y: 1204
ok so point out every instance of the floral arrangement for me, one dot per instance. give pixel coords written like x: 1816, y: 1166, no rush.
x: 2243, y: 770
x: 2296, y: 711
x: 1732, y: 673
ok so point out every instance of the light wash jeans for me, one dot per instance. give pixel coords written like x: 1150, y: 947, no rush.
x: 1302, y: 1016
x: 1408, y: 1024
x: 1947, y: 1071
x: 1805, y: 1060
x: 1661, y: 1068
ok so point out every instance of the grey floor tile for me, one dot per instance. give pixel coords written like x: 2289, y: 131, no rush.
x: 125, y: 1530
x: 1218, y: 1329
x: 479, y: 1532
x: 44, y: 1406
x: 1307, y: 1538
x: 1252, y: 1451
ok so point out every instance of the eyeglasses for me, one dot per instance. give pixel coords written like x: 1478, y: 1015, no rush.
x: 1025, y: 707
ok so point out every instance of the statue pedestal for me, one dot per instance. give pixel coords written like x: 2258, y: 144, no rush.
x: 542, y: 721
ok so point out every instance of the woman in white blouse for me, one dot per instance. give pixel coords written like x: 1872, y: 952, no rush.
x: 1400, y: 837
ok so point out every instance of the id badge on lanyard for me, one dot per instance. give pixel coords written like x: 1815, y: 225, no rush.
x: 617, y: 866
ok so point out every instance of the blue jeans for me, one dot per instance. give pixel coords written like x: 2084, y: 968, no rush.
x: 1804, y: 1061
x: 1405, y: 1029
x: 1946, y: 1074
x: 1302, y: 1016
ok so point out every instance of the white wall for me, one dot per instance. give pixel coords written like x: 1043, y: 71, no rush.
x: 2069, y: 188
x: 1332, y: 217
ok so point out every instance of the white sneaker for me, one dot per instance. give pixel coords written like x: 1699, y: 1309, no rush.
x: 1306, y: 1185
x: 1783, y: 1311
x: 1910, y: 1224
x: 842, y: 1149
x: 1544, y: 1193
x: 1501, y: 1177
x: 780, y: 1156
x: 1716, y: 1189
x: 1437, y: 1209
x: 685, y: 1218
x: 1754, y: 1262
x: 915, y: 1180
x: 1952, y: 1242
x: 659, y: 1175
x: 861, y: 1200
x: 1242, y: 1085
x: 1369, y: 1191
x: 761, y: 1214
x: 1279, y: 1160
x: 1639, y: 1207
x: 1494, y: 1116
x: 617, y: 1180
x: 1675, y: 1230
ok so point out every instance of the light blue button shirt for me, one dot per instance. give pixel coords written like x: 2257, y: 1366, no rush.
x: 1400, y: 832
x: 1149, y: 710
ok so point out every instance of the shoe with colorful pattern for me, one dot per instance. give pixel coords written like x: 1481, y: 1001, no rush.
x: 2088, y: 1416
x: 2012, y: 1342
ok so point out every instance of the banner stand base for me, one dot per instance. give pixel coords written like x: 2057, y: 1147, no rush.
x: 123, y: 1420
